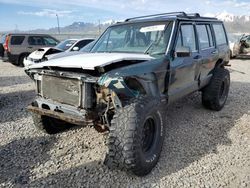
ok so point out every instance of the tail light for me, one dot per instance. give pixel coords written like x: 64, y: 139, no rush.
x: 6, y: 44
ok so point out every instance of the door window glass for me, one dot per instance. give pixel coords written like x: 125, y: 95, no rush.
x: 203, y: 36
x: 82, y: 43
x: 17, y: 40
x: 186, y: 37
x: 35, y: 40
x: 211, y: 40
x: 50, y: 41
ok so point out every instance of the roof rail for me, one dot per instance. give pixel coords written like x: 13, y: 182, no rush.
x: 155, y: 15
x: 193, y: 15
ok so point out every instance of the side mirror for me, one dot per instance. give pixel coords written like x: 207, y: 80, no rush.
x: 75, y: 48
x: 183, y: 51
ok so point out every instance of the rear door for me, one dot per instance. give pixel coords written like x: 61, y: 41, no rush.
x: 183, y: 78
x: 34, y: 43
x: 208, y: 52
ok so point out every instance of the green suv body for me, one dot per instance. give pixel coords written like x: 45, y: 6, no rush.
x: 123, y: 86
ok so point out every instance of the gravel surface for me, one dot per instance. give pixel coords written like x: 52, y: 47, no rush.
x: 202, y: 148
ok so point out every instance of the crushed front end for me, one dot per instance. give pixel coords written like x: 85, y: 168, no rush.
x: 75, y: 98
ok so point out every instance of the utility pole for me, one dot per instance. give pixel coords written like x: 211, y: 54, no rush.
x: 16, y: 28
x: 99, y: 26
x: 58, y: 25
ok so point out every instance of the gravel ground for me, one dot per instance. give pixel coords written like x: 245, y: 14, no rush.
x: 202, y: 148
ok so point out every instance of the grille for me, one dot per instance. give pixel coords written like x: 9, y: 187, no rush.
x: 63, y: 90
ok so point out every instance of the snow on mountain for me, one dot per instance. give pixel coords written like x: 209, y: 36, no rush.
x: 228, y: 17
x: 109, y: 22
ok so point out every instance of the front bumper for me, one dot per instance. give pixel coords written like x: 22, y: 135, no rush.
x: 63, y: 112
x: 58, y: 115
x: 27, y: 63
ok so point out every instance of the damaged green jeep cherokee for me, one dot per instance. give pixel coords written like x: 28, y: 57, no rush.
x: 133, y: 71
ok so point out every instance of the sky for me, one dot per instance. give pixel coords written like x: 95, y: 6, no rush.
x: 34, y: 14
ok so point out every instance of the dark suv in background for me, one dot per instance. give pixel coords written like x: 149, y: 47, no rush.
x: 18, y: 46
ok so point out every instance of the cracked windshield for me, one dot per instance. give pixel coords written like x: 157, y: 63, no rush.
x: 148, y: 38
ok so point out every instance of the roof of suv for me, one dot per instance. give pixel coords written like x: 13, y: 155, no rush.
x: 172, y: 16
x: 28, y: 34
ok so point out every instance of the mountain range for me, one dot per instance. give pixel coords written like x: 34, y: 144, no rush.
x: 233, y: 24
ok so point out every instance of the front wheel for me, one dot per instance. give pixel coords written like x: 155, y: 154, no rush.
x: 214, y: 96
x: 136, y: 137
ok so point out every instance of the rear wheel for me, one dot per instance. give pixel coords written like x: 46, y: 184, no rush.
x: 214, y: 96
x: 136, y: 137
x: 49, y: 125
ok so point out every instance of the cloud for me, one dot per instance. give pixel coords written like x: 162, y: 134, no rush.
x: 47, y: 13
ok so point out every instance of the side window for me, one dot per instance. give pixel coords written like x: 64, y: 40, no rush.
x: 82, y: 43
x: 203, y: 36
x: 211, y: 40
x: 220, y: 35
x: 17, y: 40
x: 35, y: 40
x: 186, y: 37
x: 49, y: 41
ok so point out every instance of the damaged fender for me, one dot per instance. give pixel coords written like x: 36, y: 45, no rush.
x: 143, y: 73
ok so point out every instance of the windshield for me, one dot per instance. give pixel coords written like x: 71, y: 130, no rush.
x: 149, y: 38
x: 65, y: 45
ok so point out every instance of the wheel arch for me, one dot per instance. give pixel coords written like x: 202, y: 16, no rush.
x: 132, y: 85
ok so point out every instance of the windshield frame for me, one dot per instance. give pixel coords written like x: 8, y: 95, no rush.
x: 168, y: 23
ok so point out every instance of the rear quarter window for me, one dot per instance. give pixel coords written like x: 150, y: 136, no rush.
x: 220, y: 34
x: 16, y: 40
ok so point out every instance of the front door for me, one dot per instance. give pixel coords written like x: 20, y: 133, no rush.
x: 183, y: 77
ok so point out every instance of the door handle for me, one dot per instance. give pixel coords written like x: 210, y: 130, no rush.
x: 30, y: 47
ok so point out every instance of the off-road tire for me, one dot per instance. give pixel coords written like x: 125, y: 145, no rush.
x: 214, y: 96
x: 49, y: 125
x: 125, y: 148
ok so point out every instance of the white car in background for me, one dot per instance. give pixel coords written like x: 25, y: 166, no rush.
x: 44, y: 54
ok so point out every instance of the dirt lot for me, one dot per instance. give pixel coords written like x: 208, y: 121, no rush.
x: 202, y: 148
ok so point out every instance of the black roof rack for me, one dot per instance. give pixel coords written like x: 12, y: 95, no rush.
x: 177, y: 14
